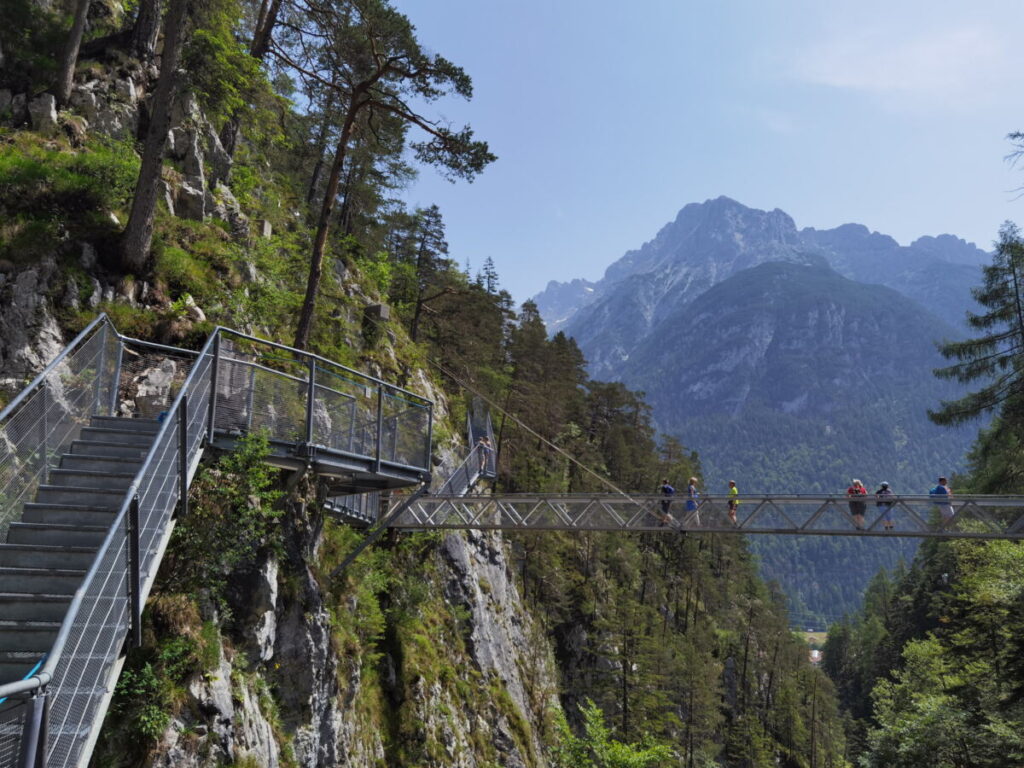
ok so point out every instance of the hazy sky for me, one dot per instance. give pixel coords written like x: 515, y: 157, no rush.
x: 609, y: 117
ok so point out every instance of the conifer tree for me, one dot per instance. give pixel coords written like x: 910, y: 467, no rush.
x: 998, y: 355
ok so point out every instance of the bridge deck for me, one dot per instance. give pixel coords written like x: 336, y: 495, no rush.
x: 983, y: 517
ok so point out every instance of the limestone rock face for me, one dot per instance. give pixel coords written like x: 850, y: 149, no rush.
x: 29, y: 334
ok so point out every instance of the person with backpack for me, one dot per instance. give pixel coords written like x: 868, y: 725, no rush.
x: 883, y: 500
x: 941, y: 495
x: 857, y: 507
x: 667, y: 492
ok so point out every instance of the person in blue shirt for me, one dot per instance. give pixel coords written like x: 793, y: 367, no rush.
x: 941, y: 495
x: 884, y: 503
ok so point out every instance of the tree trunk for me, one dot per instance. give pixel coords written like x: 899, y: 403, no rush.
x: 138, y: 234
x: 69, y: 57
x: 316, y: 262
x: 146, y: 29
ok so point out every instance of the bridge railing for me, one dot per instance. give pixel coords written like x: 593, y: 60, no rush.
x: 38, y: 425
x: 299, y: 397
x: 967, y: 516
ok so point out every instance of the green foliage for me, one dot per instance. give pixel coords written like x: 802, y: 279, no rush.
x: 46, y: 187
x: 597, y: 749
x: 30, y: 37
x: 231, y: 519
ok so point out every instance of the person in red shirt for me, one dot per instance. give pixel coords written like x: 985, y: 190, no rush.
x: 857, y: 507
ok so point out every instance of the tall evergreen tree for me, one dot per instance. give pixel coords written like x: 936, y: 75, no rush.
x: 997, y: 356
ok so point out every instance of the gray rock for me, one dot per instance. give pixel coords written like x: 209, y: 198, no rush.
x: 152, y: 388
x: 125, y: 91
x: 168, y: 197
x: 29, y: 334
x: 264, y: 228
x: 97, y: 293
x: 193, y: 311
x: 5, y: 100
x: 119, y: 121
x: 190, y: 202
x: 43, y: 111
x: 177, y: 143
x: 218, y: 161
x: 88, y: 257
x: 226, y: 208
x: 84, y: 102
x: 18, y: 111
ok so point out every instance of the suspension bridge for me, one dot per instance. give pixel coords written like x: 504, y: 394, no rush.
x: 98, y: 452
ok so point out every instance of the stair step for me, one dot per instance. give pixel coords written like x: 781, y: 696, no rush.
x: 67, y: 514
x: 45, y: 556
x: 89, y: 478
x: 116, y: 436
x: 56, y: 535
x: 94, y: 448
x: 68, y: 494
x: 100, y: 463
x: 28, y: 636
x: 17, y: 606
x: 50, y: 581
x: 146, y: 426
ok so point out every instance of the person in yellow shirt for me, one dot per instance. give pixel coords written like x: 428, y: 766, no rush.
x: 734, y: 501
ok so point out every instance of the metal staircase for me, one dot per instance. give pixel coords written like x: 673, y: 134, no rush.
x: 49, y: 550
x: 96, y: 457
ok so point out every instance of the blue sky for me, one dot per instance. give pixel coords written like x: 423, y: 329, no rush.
x: 609, y: 117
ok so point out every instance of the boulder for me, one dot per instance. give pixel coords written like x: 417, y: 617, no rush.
x: 43, y: 111
x: 218, y: 161
x: 5, y: 100
x: 226, y: 208
x: 18, y: 111
x: 190, y: 202
x: 84, y: 102
x: 125, y: 91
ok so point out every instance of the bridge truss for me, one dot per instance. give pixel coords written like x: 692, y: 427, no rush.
x: 975, y: 516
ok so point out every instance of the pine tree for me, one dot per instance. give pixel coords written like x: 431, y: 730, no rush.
x: 998, y: 355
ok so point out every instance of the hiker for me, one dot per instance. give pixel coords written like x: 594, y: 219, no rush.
x: 884, y: 502
x: 693, y: 495
x: 484, y: 446
x: 667, y: 492
x: 734, y: 502
x: 941, y: 495
x: 858, y: 507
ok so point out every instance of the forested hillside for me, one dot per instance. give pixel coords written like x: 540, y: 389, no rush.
x: 198, y: 162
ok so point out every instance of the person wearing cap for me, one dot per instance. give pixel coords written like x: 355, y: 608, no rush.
x: 857, y: 505
x: 734, y: 501
x: 941, y: 495
x: 883, y: 501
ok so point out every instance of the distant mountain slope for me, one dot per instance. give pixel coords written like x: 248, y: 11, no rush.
x: 795, y: 379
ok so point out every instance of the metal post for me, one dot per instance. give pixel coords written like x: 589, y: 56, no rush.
x: 134, y: 575
x: 183, y: 459
x: 251, y: 399
x: 34, y: 736
x: 116, y: 383
x: 100, y: 371
x: 310, y: 399
x: 46, y: 429
x: 430, y: 437
x: 380, y: 427
x: 213, y: 388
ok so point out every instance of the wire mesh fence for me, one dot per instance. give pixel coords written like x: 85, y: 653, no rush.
x: 40, y: 425
x: 13, y: 717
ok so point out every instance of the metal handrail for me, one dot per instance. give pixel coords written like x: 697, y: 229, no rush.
x: 45, y: 675
x: 53, y: 364
x: 332, y: 363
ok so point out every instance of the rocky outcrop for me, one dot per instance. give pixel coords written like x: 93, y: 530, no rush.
x: 29, y: 334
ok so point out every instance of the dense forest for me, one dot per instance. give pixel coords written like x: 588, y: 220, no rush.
x: 195, y: 162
